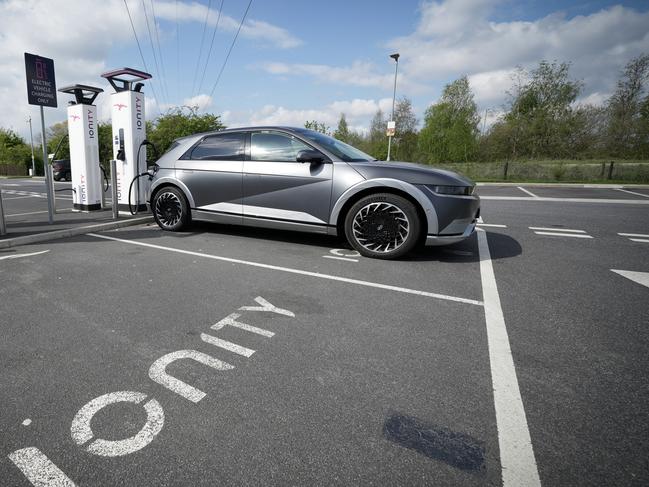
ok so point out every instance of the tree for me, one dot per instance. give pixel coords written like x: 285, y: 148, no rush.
x: 317, y: 126
x: 451, y: 126
x: 57, y: 137
x: 627, y: 132
x: 377, y: 142
x: 541, y: 118
x: 342, y: 131
x: 180, y: 122
x: 15, y: 154
x: 404, y: 143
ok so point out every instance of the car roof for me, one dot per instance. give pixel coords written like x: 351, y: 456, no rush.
x: 241, y: 129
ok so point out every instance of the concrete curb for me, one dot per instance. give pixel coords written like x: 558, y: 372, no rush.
x: 71, y: 232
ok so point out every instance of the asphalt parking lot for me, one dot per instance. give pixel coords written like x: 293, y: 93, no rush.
x: 244, y: 356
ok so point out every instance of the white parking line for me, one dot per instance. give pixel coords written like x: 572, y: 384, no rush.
x: 632, y: 192
x: 526, y: 191
x: 640, y: 235
x: 566, y: 200
x: 642, y: 240
x: 556, y: 234
x: 297, y: 271
x: 557, y: 229
x: 16, y: 198
x: 516, y: 451
x: 18, y: 256
x: 493, y: 225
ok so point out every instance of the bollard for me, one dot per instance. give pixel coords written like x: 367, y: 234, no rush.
x: 3, y: 227
x: 113, y: 187
x: 50, y: 170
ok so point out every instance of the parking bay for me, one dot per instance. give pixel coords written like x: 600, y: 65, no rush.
x: 319, y: 402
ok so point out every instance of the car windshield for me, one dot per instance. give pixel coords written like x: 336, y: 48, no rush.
x: 344, y: 151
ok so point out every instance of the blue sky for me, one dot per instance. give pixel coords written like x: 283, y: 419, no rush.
x: 299, y: 60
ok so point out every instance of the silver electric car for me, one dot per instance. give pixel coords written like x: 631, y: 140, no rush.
x: 298, y: 179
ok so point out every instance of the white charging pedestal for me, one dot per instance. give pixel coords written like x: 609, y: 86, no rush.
x: 129, y: 131
x: 84, y: 148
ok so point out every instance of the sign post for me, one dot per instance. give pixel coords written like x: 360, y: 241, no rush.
x: 41, y: 91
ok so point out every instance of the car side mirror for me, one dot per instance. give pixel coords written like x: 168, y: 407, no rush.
x: 310, y: 155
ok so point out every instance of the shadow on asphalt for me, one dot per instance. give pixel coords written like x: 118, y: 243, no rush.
x: 501, y: 246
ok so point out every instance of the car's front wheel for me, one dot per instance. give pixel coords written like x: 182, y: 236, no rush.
x: 170, y: 209
x: 383, y: 226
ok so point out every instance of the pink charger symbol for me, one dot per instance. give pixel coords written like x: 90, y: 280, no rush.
x: 119, y: 106
x: 75, y: 117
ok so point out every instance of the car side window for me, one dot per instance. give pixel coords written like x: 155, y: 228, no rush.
x: 274, y: 146
x: 222, y: 147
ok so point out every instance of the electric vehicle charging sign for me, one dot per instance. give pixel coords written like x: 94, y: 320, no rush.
x: 41, y: 83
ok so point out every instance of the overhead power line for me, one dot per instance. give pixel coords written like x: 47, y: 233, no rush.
x: 155, y: 96
x: 162, y: 64
x: 209, y: 53
x: 155, y: 59
x: 177, y: 56
x: 200, y: 51
x: 218, y: 78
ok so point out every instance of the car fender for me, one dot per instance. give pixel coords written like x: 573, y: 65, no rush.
x: 412, y: 190
x: 175, y: 182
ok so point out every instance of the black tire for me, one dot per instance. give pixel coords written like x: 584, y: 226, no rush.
x: 383, y: 226
x: 170, y: 209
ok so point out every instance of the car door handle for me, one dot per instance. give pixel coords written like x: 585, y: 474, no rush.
x: 188, y: 171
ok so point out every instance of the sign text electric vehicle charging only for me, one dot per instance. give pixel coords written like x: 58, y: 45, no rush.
x: 84, y: 147
x: 129, y: 133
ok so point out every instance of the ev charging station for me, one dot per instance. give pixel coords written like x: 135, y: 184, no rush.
x: 129, y: 133
x: 84, y: 148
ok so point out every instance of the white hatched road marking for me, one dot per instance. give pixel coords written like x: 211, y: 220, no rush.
x: 557, y: 229
x: 297, y: 271
x: 339, y: 258
x: 566, y: 200
x: 640, y: 235
x: 340, y: 254
x: 493, y: 225
x: 526, y: 191
x: 481, y: 223
x: 516, y: 451
x: 632, y: 192
x: 555, y: 234
x: 639, y: 277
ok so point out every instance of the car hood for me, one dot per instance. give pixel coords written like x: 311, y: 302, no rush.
x: 410, y: 173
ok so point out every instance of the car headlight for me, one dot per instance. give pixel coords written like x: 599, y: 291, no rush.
x: 454, y: 190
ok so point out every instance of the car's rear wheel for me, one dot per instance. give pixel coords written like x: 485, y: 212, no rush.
x: 383, y: 226
x: 170, y: 209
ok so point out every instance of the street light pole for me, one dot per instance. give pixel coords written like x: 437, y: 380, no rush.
x: 394, y: 56
x: 31, y: 140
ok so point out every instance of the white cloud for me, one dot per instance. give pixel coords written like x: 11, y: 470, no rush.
x: 358, y: 74
x: 454, y: 38
x: 80, y: 36
x: 357, y: 113
x: 252, y: 29
x: 202, y: 101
